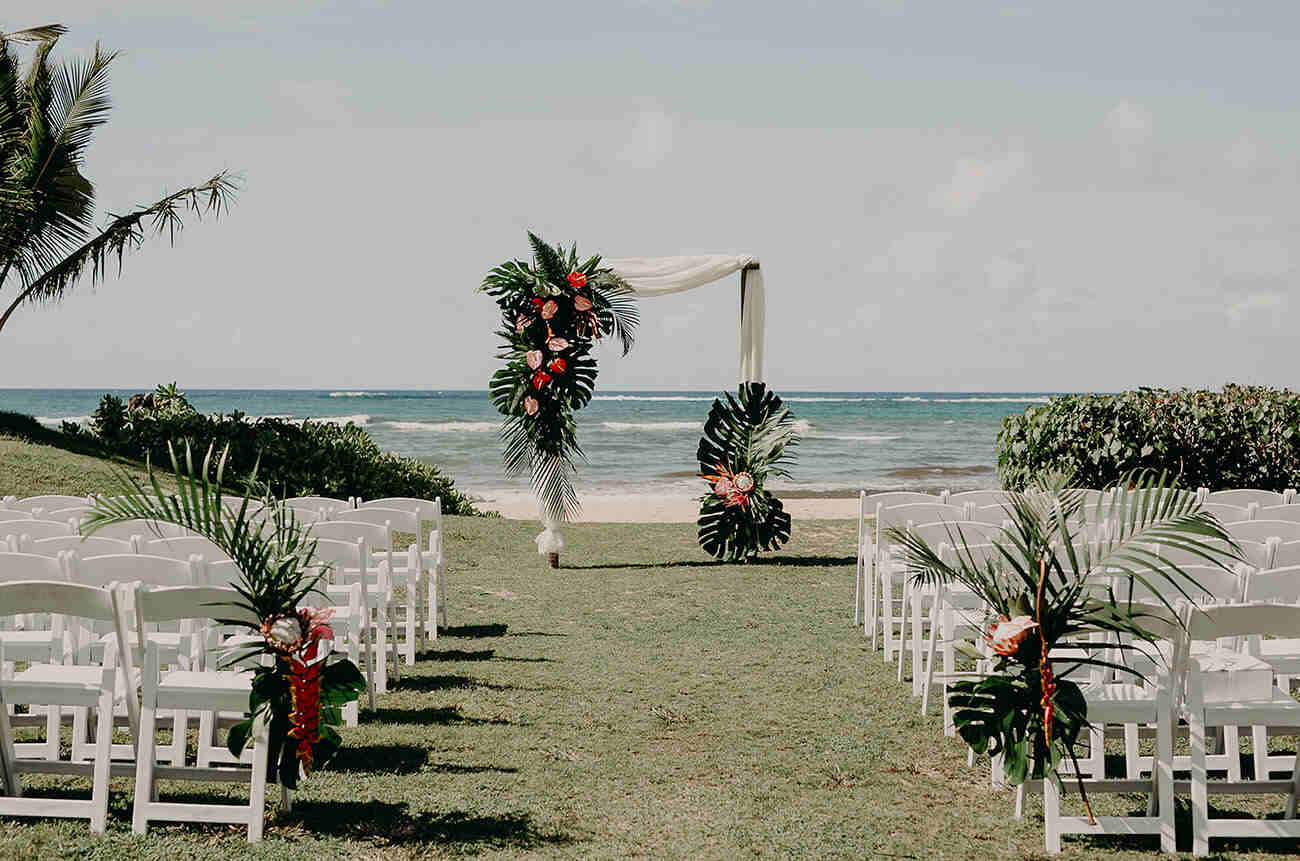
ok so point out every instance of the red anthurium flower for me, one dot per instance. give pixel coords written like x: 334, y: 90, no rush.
x: 549, y: 308
x: 540, y: 379
x: 577, y: 279
x: 582, y: 303
x: 557, y: 344
x: 557, y: 366
x: 534, y: 359
x: 531, y: 405
x: 538, y: 302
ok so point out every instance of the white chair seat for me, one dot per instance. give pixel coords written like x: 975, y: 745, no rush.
x: 1283, y: 654
x: 41, y: 681
x: 1279, y: 710
x: 1120, y: 702
x: 222, y: 691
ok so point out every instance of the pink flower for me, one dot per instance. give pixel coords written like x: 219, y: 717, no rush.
x: 521, y: 323
x: 557, y: 344
x: 582, y: 303
x: 549, y: 309
x: 534, y: 359
x: 723, y: 487
x: 283, y: 632
x: 744, y: 482
x: 577, y: 279
x: 530, y: 405
x: 316, y: 621
x: 735, y: 498
x: 1006, y: 636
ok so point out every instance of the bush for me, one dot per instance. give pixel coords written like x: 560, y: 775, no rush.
x: 311, y: 458
x: 1244, y: 436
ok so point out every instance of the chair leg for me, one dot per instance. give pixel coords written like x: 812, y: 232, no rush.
x: 53, y: 721
x: 1295, y: 787
x: 1051, y: 816
x: 180, y: 729
x: 1232, y: 750
x: 144, y: 773
x: 857, y: 592
x: 103, y: 760
x: 82, y: 749
x: 1259, y: 751
x: 1132, y: 756
x: 1200, y: 788
x: 257, y: 786
x: 918, y: 606
x: 442, y: 598
x: 1162, y: 772
x: 10, y: 784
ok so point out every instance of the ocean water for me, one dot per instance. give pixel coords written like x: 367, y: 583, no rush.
x: 639, y: 441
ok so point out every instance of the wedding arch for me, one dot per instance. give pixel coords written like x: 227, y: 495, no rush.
x: 661, y: 276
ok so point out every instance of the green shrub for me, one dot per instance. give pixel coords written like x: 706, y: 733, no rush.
x: 311, y: 458
x: 1244, y: 436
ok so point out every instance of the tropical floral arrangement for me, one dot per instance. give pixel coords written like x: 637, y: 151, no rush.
x: 1044, y: 605
x: 553, y: 312
x: 747, y: 440
x: 303, y: 689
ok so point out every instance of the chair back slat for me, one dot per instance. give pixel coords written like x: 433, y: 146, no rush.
x: 51, y: 596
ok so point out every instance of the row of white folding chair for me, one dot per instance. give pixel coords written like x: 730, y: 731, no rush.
x: 1242, y: 497
x: 1262, y: 530
x: 348, y: 549
x: 434, y: 607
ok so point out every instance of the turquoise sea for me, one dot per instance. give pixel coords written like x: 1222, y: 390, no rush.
x: 639, y: 441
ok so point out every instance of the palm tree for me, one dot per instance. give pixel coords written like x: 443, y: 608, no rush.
x: 48, y: 116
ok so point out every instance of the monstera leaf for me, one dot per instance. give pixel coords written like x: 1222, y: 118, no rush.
x: 747, y: 439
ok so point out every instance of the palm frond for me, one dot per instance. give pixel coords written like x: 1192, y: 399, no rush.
x: 127, y: 233
x: 46, y: 33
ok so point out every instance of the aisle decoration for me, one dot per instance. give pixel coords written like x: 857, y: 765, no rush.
x: 1042, y: 603
x: 747, y: 440
x: 302, y: 692
x: 553, y: 312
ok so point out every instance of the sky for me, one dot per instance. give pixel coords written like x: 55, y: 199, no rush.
x: 960, y: 196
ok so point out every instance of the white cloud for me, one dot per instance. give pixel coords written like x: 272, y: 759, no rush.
x: 973, y: 179
x: 1264, y: 307
x: 1130, y: 125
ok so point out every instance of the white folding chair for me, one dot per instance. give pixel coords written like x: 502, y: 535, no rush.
x: 1250, y: 699
x: 90, y: 643
x: 32, y: 637
x: 328, y: 504
x: 1279, y: 512
x: 891, y: 611
x: 1244, y: 497
x: 1227, y: 513
x: 47, y: 503
x: 75, y: 513
x: 57, y: 685
x: 350, y: 562
x: 91, y: 546
x: 1262, y: 530
x: 195, y: 689
x: 183, y: 547
x: 405, y: 572
x: 33, y: 530
x: 426, y: 511
x: 980, y: 498
x: 145, y: 529
x: 995, y: 515
x: 866, y: 608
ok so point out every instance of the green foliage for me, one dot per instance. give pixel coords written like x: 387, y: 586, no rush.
x: 1041, y: 570
x: 746, y: 441
x: 293, y: 459
x: 109, y: 420
x: 552, y: 314
x: 1243, y: 436
x: 48, y: 117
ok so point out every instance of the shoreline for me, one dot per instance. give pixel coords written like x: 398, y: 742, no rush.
x: 662, y: 507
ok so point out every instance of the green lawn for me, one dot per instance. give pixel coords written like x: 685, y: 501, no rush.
x: 640, y: 701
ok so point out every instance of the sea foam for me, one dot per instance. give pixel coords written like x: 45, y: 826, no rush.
x: 651, y: 426
x: 358, y: 394
x: 444, y: 427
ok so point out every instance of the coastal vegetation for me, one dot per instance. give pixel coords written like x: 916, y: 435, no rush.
x: 1242, y: 436
x: 48, y: 117
x: 292, y: 458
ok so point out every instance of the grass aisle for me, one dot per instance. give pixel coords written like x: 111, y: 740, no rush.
x: 642, y: 702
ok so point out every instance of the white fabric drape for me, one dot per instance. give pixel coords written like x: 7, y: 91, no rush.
x: 660, y: 276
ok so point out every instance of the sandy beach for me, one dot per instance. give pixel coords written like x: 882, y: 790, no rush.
x: 652, y: 508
